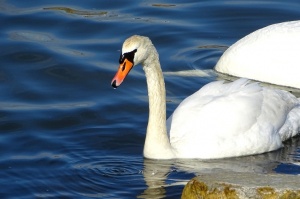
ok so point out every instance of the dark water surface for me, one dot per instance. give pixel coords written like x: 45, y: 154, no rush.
x: 65, y: 133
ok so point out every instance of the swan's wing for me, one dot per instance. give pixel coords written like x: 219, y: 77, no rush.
x: 231, y: 119
x: 216, y: 108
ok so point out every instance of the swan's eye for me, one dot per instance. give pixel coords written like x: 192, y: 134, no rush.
x: 122, y: 58
x: 124, y: 66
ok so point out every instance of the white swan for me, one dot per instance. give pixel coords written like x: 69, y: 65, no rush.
x: 220, y: 120
x: 270, y: 54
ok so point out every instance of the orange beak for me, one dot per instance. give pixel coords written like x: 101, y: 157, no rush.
x: 122, y: 72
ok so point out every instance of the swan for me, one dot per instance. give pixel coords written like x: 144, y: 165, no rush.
x: 220, y: 120
x: 270, y: 54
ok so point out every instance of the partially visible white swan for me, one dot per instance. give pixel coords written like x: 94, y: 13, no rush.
x: 270, y: 54
x: 220, y: 120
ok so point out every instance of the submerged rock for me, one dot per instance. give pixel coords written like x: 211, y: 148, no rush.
x: 242, y: 185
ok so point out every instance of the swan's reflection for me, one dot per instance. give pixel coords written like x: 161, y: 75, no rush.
x: 157, y: 172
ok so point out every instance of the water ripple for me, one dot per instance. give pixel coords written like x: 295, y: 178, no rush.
x: 110, y: 166
x: 85, y: 13
x: 30, y: 36
x: 19, y: 106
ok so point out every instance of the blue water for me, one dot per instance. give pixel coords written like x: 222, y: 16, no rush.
x: 65, y: 133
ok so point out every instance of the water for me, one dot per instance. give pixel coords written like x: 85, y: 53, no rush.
x: 65, y: 133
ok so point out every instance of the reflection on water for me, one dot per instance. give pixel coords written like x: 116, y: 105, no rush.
x: 157, y: 172
x: 65, y: 133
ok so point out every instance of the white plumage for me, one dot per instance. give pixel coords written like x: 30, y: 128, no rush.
x: 270, y: 54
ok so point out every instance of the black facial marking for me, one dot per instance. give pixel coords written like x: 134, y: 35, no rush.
x: 129, y: 56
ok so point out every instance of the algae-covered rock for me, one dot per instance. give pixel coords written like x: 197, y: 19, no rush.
x: 242, y: 185
x: 196, y: 189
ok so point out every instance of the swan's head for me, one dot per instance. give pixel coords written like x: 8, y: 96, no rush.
x: 134, y: 51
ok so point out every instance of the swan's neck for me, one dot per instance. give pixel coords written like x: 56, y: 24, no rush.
x: 157, y: 144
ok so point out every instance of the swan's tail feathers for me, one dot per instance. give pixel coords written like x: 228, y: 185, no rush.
x: 292, y: 125
x: 239, y: 83
x: 243, y: 85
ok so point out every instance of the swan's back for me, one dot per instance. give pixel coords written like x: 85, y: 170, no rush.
x: 234, y: 119
x: 270, y: 54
